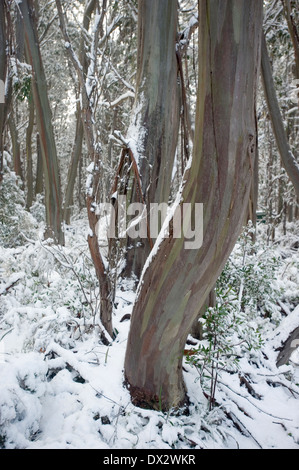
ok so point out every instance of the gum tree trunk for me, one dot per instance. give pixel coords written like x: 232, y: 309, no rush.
x: 53, y: 200
x: 15, y: 144
x: 291, y: 20
x: 178, y: 280
x: 29, y: 169
x: 77, y: 147
x: 4, y: 107
x: 94, y: 151
x: 155, y: 117
x: 288, y: 159
x: 39, y: 180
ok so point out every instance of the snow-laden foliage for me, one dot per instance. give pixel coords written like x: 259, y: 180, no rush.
x: 245, y: 303
x: 15, y: 222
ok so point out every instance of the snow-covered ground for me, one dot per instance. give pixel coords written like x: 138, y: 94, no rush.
x: 61, y: 388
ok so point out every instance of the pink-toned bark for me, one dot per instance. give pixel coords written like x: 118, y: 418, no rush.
x: 177, y: 281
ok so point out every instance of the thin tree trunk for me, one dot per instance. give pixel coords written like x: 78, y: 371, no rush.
x: 288, y: 160
x: 29, y: 170
x: 73, y: 168
x: 39, y: 168
x: 178, y: 280
x: 77, y: 147
x: 44, y: 125
x: 92, y: 190
x: 3, y: 73
x: 293, y: 32
x: 16, y: 150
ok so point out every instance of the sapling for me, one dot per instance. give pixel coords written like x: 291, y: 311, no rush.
x: 245, y: 299
x: 227, y: 334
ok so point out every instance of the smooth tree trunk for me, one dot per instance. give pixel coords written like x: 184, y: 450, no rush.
x: 3, y: 77
x: 16, y: 149
x: 288, y: 159
x: 177, y: 280
x: 53, y: 200
x: 73, y: 168
x: 93, y: 185
x: 78, y: 142
x: 29, y: 164
x: 39, y: 180
x: 155, y: 117
x: 293, y: 32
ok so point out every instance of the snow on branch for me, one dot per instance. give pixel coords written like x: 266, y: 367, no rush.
x: 122, y: 98
x: 185, y: 35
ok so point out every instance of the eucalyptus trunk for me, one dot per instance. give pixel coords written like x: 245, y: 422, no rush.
x: 73, y: 168
x: 44, y: 124
x: 39, y: 169
x: 291, y: 20
x: 29, y: 169
x: 77, y: 147
x: 16, y: 150
x: 178, y: 280
x: 3, y: 72
x: 92, y: 196
x: 155, y: 114
x: 288, y: 159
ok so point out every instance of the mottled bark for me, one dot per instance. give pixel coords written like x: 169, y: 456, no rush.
x: 155, y: 113
x: 44, y: 124
x: 288, y: 159
x: 177, y: 280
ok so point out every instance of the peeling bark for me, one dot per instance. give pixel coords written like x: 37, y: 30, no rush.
x: 155, y: 112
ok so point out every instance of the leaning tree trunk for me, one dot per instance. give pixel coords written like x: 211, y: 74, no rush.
x: 178, y: 280
x: 294, y: 33
x: 155, y: 117
x: 288, y: 159
x: 44, y: 123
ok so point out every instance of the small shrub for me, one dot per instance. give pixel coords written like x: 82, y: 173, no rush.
x: 246, y: 298
x: 227, y: 335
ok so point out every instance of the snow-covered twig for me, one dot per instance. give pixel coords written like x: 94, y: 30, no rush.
x: 120, y: 99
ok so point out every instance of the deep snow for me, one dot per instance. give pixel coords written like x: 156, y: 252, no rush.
x: 61, y: 388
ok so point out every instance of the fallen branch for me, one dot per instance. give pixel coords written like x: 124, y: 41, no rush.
x: 6, y: 289
x: 240, y: 426
x: 246, y: 398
